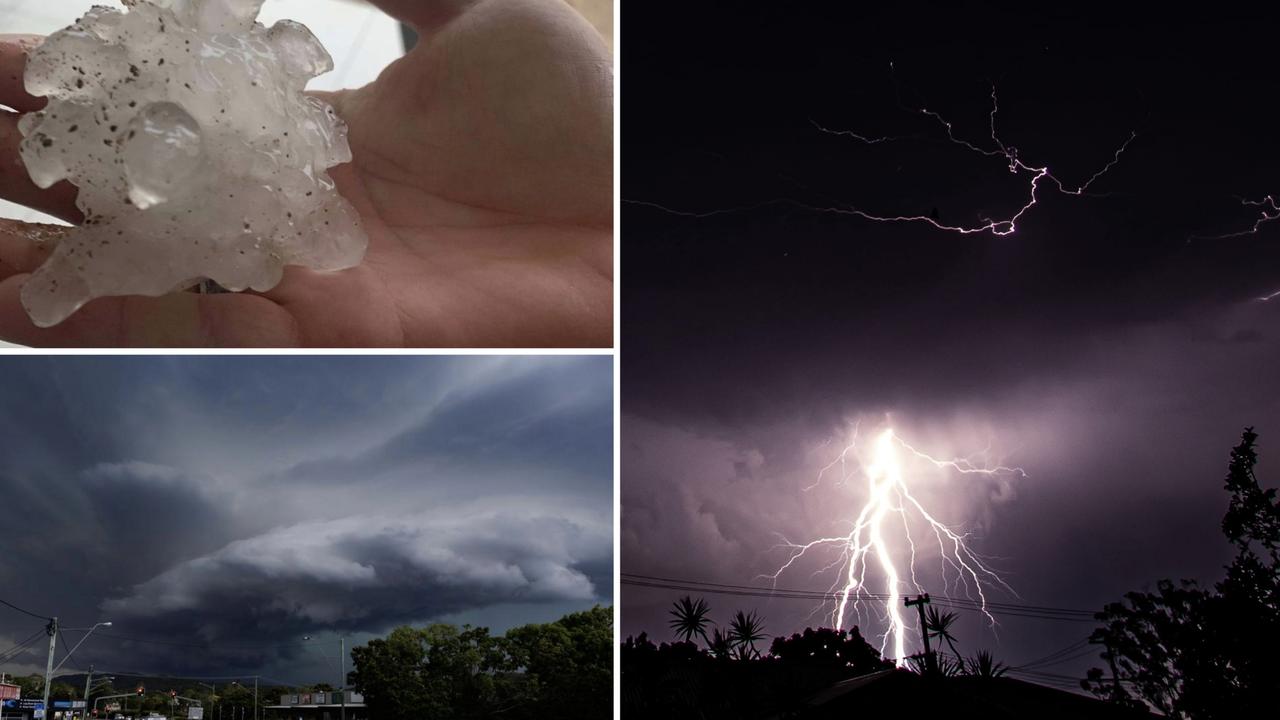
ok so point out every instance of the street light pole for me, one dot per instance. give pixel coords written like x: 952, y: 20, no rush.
x: 49, y: 668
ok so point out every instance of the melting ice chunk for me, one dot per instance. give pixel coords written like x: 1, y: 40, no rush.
x: 196, y: 153
x: 161, y: 153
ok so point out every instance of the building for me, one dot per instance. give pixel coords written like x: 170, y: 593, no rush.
x: 319, y: 706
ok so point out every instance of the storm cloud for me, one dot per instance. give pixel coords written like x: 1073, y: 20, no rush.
x: 217, y: 510
x: 1106, y: 347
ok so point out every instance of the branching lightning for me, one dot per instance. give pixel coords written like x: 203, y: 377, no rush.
x: 1267, y: 211
x: 1037, y: 176
x: 874, y: 539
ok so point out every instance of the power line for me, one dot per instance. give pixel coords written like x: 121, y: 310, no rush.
x: 8, y: 604
x: 16, y: 650
x: 1086, y: 652
x: 877, y: 595
x: 1063, y: 657
x: 202, y: 645
x: 67, y: 656
x: 166, y: 676
x: 999, y: 608
x: 1056, y: 653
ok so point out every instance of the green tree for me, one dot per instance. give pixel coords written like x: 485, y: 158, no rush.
x: 1204, y: 654
x: 236, y: 696
x: 569, y: 665
x: 32, y: 685
x: 438, y: 672
x: 62, y: 691
x: 562, y: 669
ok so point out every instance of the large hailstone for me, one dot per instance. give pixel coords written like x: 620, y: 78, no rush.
x: 197, y: 155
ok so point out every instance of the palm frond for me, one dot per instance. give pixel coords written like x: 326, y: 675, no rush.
x: 690, y: 618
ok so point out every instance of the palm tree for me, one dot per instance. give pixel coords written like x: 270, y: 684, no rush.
x: 690, y: 618
x: 721, y: 645
x: 744, y: 631
x: 938, y: 625
x: 984, y: 665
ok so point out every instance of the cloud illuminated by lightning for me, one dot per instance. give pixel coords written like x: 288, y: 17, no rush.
x: 876, y: 538
x: 1037, y: 175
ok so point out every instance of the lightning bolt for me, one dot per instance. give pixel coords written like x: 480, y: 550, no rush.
x: 874, y: 539
x: 1037, y: 176
x: 1267, y: 212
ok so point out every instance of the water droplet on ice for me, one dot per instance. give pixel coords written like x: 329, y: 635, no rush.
x: 161, y: 152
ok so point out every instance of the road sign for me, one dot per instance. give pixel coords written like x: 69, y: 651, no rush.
x: 195, y: 713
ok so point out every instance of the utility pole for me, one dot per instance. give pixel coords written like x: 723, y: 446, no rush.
x: 255, y: 697
x: 87, y: 681
x: 52, y: 629
x: 342, y: 669
x: 930, y: 662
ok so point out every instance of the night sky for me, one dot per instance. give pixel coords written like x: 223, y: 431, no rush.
x: 1105, y: 346
x: 219, y: 510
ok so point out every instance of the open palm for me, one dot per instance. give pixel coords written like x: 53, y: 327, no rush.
x: 483, y: 173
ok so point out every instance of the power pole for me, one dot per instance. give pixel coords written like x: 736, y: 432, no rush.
x: 930, y: 662
x: 342, y: 669
x: 255, y: 697
x: 52, y: 629
x: 87, y: 680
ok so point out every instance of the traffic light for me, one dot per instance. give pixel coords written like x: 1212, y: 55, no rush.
x: 141, y: 691
x: 173, y: 694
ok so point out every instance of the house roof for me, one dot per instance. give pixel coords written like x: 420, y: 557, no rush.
x: 901, y: 691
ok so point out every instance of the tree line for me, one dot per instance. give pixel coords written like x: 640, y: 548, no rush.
x: 560, y: 670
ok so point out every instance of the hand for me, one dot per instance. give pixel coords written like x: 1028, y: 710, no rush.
x: 483, y: 171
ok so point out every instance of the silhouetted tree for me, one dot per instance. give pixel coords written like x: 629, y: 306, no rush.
x: 1205, y: 654
x: 721, y: 645
x: 681, y: 680
x: 689, y: 618
x: 938, y: 625
x: 984, y: 665
x: 843, y: 650
x: 745, y: 630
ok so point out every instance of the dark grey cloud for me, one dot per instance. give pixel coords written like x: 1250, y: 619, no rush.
x: 1125, y: 443
x: 236, y: 504
x: 363, y: 572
